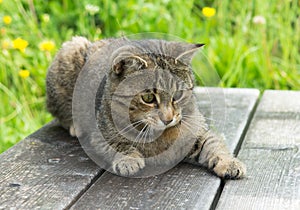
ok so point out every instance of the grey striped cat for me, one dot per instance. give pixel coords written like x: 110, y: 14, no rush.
x: 162, y: 116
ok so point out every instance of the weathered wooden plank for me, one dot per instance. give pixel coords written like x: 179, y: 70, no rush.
x: 271, y: 153
x: 185, y: 186
x: 47, y: 170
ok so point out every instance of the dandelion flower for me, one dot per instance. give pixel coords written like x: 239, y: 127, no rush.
x: 47, y: 46
x: 208, y: 11
x: 0, y: 1
x: 24, y: 73
x: 259, y: 20
x: 20, y: 44
x: 7, y: 19
x: 92, y: 9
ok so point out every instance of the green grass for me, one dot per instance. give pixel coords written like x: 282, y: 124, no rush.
x: 244, y: 54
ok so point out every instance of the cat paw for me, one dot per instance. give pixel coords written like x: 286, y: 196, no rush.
x: 230, y: 168
x: 128, y: 166
x: 72, y: 131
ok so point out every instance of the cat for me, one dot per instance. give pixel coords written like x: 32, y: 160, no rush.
x: 167, y: 123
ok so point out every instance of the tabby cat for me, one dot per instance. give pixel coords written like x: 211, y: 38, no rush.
x: 144, y: 108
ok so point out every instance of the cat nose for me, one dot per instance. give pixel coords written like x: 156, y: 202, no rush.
x: 166, y: 114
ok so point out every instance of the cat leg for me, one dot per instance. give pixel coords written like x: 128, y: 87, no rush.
x: 210, y: 151
x: 129, y: 164
x: 67, y: 124
x: 72, y: 130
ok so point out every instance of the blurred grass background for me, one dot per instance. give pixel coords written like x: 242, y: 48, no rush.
x: 252, y: 44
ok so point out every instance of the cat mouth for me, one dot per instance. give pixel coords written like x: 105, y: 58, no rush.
x: 157, y: 126
x: 163, y: 126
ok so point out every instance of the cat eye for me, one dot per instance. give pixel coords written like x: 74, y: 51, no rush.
x: 148, y: 98
x: 177, y: 95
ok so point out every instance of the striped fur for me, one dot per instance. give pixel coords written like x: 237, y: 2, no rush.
x: 173, y: 109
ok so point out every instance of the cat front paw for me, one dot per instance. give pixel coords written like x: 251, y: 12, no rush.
x: 72, y: 131
x: 128, y: 166
x: 230, y: 168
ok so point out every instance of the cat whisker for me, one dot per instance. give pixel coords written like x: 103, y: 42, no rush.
x: 199, y: 116
x: 193, y: 118
x: 188, y: 128
x: 146, y: 135
x: 151, y: 133
x: 194, y: 124
x: 191, y: 126
x: 191, y: 115
x: 189, y: 122
x: 130, y: 127
x: 134, y: 125
x: 143, y: 139
x: 138, y: 137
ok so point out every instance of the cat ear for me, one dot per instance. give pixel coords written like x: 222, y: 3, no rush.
x: 125, y: 57
x: 185, y: 52
x: 122, y: 62
x: 118, y: 65
x: 120, y: 57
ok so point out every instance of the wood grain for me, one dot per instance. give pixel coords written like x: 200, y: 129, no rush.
x: 271, y: 153
x: 47, y: 170
x: 185, y: 186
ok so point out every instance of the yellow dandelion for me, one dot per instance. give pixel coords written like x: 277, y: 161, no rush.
x: 0, y: 1
x: 7, y: 19
x: 47, y: 45
x: 20, y: 44
x: 208, y: 11
x: 24, y: 73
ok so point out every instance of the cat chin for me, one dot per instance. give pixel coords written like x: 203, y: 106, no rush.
x: 173, y: 123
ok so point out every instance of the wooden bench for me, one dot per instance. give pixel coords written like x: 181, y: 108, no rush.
x: 49, y: 170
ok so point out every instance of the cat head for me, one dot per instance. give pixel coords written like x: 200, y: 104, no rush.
x: 156, y: 79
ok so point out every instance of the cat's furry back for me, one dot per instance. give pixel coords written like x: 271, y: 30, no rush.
x: 62, y: 76
x: 174, y: 110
